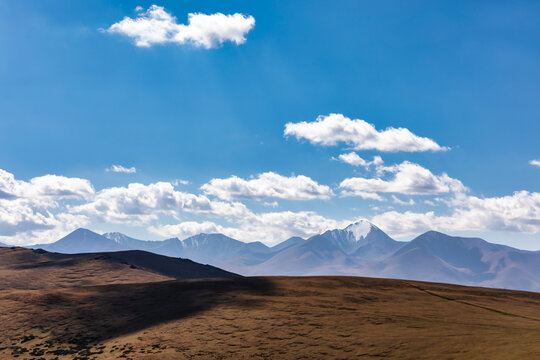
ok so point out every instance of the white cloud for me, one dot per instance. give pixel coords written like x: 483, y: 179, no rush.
x: 23, y: 224
x: 31, y: 212
x: 401, y: 202
x: 269, y: 228
x: 180, y: 182
x: 361, y: 135
x: 273, y: 204
x: 409, y: 179
x: 59, y: 187
x: 519, y: 212
x: 274, y: 227
x: 138, y: 203
x: 363, y: 194
x: 268, y: 185
x: 157, y: 26
x: 121, y: 169
x: 354, y: 159
x: 186, y: 229
x: 535, y: 162
x: 43, y: 187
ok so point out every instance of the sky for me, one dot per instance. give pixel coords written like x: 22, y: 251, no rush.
x: 266, y: 120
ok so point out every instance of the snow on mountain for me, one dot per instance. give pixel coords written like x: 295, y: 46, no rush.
x: 360, y: 229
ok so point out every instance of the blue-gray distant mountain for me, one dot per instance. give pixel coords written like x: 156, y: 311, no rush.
x: 335, y: 252
x: 170, y: 247
x: 203, y: 248
x: 82, y: 241
x: 295, y: 240
x: 434, y: 256
x: 3, y: 245
x: 360, y: 249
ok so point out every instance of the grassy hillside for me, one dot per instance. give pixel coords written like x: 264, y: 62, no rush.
x: 22, y: 268
x: 271, y: 318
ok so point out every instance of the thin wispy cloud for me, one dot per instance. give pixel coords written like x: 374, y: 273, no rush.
x: 398, y: 201
x: 178, y: 182
x: 121, y: 169
x: 157, y: 26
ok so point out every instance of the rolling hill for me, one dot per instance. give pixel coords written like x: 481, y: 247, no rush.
x: 270, y: 318
x: 22, y: 268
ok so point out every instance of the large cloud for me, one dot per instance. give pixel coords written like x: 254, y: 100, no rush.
x: 139, y: 203
x: 186, y: 229
x: 47, y: 186
x: 30, y: 211
x: 157, y: 26
x: 519, y: 212
x: 361, y: 135
x: 270, y: 228
x: 409, y: 179
x: 268, y: 185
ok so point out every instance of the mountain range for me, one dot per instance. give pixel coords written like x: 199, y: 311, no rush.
x: 360, y: 249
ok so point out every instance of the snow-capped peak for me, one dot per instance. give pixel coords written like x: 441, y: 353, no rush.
x: 115, y: 236
x: 359, y: 229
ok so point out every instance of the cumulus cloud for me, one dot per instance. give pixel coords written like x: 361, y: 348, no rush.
x: 270, y: 228
x: 30, y: 210
x: 535, y: 162
x: 157, y: 26
x: 121, y: 169
x: 47, y: 186
x: 267, y: 185
x: 186, y: 229
x: 22, y: 223
x: 519, y: 212
x: 139, y: 203
x: 361, y: 135
x: 408, y: 179
x: 354, y: 159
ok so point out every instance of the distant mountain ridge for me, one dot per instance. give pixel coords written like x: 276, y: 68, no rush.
x: 360, y: 249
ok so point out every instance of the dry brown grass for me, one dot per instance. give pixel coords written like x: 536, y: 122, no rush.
x: 22, y: 268
x: 271, y: 318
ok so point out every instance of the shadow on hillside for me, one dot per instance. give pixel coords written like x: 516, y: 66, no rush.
x: 91, y: 315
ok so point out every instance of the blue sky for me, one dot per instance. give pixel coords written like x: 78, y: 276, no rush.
x: 77, y: 97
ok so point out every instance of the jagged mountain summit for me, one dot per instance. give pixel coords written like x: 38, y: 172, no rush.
x: 336, y: 252
x: 360, y: 249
